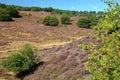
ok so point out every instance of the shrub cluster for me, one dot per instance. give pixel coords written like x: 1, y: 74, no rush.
x: 4, y: 15
x: 65, y: 19
x: 7, y: 12
x: 83, y: 23
x: 89, y: 21
x: 12, y: 11
x: 21, y: 60
x: 36, y: 9
x: 51, y: 21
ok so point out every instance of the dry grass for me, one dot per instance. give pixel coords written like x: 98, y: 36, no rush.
x: 27, y: 30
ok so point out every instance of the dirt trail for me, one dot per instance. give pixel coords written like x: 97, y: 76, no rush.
x: 44, y: 46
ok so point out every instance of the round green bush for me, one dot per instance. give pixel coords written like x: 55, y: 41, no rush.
x: 21, y: 60
x: 4, y: 15
x: 51, y: 21
x: 65, y: 19
x: 12, y: 11
x: 83, y: 23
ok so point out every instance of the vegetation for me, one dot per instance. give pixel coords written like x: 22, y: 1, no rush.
x: 2, y: 5
x: 4, y: 15
x: 94, y: 19
x: 53, y: 11
x: 65, y: 19
x: 36, y: 9
x: 12, y: 11
x: 83, y: 23
x: 49, y: 9
x: 21, y: 60
x: 7, y: 12
x: 51, y: 21
x: 104, y: 62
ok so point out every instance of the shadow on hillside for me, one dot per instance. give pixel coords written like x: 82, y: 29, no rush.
x: 18, y: 16
x: 21, y: 75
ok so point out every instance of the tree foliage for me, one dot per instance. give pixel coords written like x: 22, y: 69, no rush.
x: 104, y: 61
x: 51, y: 21
x: 21, y: 60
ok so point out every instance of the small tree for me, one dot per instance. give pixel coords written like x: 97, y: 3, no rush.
x: 21, y: 60
x: 83, y: 23
x: 65, y: 19
x: 104, y: 61
x: 4, y: 15
x: 51, y: 21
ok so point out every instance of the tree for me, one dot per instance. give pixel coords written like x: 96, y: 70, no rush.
x: 83, y: 23
x: 65, y: 19
x: 51, y: 21
x: 104, y: 61
x: 21, y: 60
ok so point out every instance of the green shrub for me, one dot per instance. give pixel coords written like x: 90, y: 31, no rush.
x: 93, y: 20
x: 4, y: 15
x: 83, y: 23
x: 21, y: 60
x: 65, y: 19
x: 12, y: 11
x: 51, y: 21
x: 85, y: 47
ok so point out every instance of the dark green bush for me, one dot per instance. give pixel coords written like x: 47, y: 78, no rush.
x: 21, y: 60
x: 4, y: 15
x: 83, y: 23
x: 93, y: 20
x: 51, y: 21
x: 12, y: 11
x: 65, y: 19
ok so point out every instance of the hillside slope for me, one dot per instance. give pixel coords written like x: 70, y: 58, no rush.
x: 62, y: 57
x: 29, y: 29
x: 64, y: 62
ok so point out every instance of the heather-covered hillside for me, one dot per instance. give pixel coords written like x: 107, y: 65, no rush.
x: 64, y: 62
